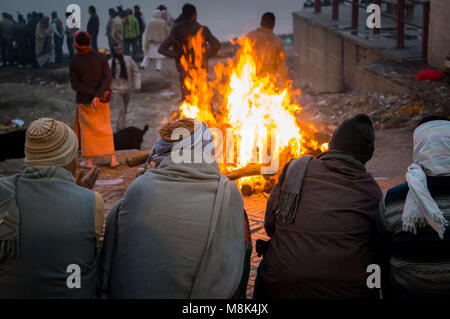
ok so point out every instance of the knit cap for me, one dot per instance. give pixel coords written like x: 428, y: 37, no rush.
x: 49, y: 143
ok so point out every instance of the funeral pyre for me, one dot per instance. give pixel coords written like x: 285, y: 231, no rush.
x: 257, y: 125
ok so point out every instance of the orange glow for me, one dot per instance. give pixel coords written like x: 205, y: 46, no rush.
x: 254, y: 106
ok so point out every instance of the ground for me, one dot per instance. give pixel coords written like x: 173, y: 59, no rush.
x: 26, y: 94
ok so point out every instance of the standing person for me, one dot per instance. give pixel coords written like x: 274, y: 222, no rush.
x: 120, y: 12
x: 140, y: 17
x: 178, y: 38
x: 125, y: 76
x: 58, y: 36
x: 157, y: 32
x: 131, y: 32
x: 20, y: 38
x: 321, y: 218
x: 44, y: 42
x: 269, y: 48
x: 166, y: 15
x: 7, y: 36
x: 90, y: 77
x: 31, y: 39
x: 70, y: 32
x: 145, y: 256
x: 413, y: 220
x: 40, y: 241
x: 93, y: 26
x: 114, y: 29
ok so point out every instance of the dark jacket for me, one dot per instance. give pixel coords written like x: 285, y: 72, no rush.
x: 93, y: 25
x: 90, y: 76
x: 172, y: 47
x: 326, y: 251
x: 415, y: 266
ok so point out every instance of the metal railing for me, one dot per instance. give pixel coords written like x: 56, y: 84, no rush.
x: 399, y: 18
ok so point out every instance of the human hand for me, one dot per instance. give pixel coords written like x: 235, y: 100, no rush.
x: 95, y: 101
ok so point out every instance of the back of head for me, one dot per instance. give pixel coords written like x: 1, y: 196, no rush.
x: 268, y: 20
x: 355, y: 136
x: 92, y: 9
x: 189, y: 11
x: 432, y: 118
x: 50, y: 143
x: 82, y: 39
x: 112, y: 12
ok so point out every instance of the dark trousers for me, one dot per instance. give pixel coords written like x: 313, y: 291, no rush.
x: 6, y: 51
x: 258, y: 290
x: 94, y: 43
x: 22, y: 52
x: 140, y: 47
x: 58, y: 49
x: 133, y: 44
x: 70, y: 47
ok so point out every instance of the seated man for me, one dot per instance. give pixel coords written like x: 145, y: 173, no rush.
x: 321, y: 221
x: 49, y: 227
x: 413, y: 220
x: 181, y: 230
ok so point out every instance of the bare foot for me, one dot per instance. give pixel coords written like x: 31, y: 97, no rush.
x: 114, y: 162
x: 87, y: 164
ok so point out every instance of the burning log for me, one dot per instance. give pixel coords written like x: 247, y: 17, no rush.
x: 249, y: 170
x: 137, y: 158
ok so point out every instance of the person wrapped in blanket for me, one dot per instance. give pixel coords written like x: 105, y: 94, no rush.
x: 181, y: 230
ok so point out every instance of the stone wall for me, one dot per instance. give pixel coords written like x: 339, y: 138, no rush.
x: 439, y: 36
x: 326, y: 61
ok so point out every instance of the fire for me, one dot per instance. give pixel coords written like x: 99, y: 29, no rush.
x: 258, y: 108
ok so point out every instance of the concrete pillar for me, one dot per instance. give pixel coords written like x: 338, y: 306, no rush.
x: 439, y: 38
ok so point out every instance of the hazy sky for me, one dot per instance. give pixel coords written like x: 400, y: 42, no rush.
x: 225, y: 18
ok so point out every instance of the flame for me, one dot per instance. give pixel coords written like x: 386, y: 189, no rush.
x: 256, y: 106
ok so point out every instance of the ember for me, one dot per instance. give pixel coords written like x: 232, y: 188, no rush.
x: 252, y: 109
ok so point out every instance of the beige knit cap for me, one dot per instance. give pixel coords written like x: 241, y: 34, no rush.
x: 49, y: 143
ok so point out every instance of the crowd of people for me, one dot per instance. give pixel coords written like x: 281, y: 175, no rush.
x: 181, y: 231
x: 39, y: 40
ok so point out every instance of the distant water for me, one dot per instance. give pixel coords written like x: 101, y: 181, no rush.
x: 225, y: 18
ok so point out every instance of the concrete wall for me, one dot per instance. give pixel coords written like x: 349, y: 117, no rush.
x: 328, y: 62
x: 318, y: 56
x: 439, y: 37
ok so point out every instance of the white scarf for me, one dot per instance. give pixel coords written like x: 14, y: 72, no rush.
x: 431, y: 157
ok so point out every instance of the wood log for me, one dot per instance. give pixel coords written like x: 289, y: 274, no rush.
x: 137, y: 158
x: 249, y: 170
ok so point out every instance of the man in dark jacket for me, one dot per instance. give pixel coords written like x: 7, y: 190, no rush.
x: 31, y: 39
x: 91, y: 77
x: 58, y: 36
x: 20, y: 38
x: 321, y: 221
x: 173, y: 46
x: 6, y: 38
x: 93, y: 26
x: 140, y: 17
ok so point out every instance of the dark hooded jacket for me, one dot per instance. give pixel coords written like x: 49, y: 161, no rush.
x: 325, y: 252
